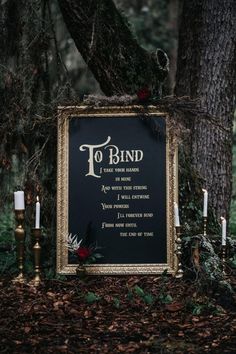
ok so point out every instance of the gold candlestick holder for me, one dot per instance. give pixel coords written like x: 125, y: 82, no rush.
x: 37, y: 253
x: 223, y: 255
x: 179, y: 273
x: 20, y: 245
x: 204, y: 225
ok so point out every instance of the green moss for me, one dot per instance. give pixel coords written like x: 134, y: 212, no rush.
x: 191, y: 199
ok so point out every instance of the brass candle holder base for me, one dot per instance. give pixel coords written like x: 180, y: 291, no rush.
x: 179, y: 273
x: 204, y: 225
x: 20, y: 279
x: 81, y: 271
x: 223, y: 255
x: 20, y: 245
x: 36, y: 234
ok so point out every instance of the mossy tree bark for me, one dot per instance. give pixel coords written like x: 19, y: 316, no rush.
x: 206, y: 70
x: 107, y: 45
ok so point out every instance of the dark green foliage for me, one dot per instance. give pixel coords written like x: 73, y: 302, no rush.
x: 116, y: 302
x: 204, y: 308
x: 165, y: 298
x: 130, y: 295
x: 146, y: 297
x: 191, y: 199
x: 33, y: 81
x: 149, y: 23
x: 138, y: 291
x: 91, y: 298
x: 30, y: 91
x: 7, y: 244
x: 232, y: 261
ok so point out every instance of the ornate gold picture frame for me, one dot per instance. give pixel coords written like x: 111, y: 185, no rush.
x: 75, y: 123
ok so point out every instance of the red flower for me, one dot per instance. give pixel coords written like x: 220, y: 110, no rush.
x: 83, y: 253
x: 144, y: 94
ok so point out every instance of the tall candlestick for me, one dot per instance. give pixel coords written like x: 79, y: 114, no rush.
x: 223, y: 224
x: 19, y: 200
x: 179, y: 273
x: 37, y: 254
x: 37, y: 215
x: 20, y: 240
x: 176, y: 212
x: 205, y: 202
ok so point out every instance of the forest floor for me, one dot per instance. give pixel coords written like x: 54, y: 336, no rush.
x: 111, y: 314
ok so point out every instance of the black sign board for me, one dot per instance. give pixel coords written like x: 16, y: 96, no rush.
x: 116, y: 188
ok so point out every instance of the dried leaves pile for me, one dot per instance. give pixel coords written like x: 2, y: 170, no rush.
x: 133, y: 314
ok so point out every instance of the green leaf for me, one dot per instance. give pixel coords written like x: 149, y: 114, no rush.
x: 116, y: 302
x: 187, y: 238
x: 197, y: 310
x: 139, y: 291
x: 148, y: 299
x: 130, y: 295
x: 91, y: 298
x: 232, y: 262
x: 165, y: 299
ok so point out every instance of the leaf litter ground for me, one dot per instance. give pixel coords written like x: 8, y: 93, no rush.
x: 127, y: 314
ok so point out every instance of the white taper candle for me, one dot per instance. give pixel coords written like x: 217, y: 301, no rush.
x: 223, y: 225
x: 176, y: 212
x: 37, y: 215
x: 205, y: 202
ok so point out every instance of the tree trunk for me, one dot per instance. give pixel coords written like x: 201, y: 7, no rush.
x: 206, y: 70
x: 107, y: 45
x: 172, y: 24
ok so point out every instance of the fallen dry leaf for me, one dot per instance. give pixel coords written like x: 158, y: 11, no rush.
x: 174, y: 306
x: 58, y: 319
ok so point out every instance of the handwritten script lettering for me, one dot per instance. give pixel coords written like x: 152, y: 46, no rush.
x: 109, y: 152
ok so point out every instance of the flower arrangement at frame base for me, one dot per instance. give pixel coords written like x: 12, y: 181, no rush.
x: 84, y: 254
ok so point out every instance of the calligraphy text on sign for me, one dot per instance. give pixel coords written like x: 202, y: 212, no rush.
x: 115, y: 155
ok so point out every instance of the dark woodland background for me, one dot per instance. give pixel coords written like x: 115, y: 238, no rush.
x: 41, y: 67
x: 59, y: 52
